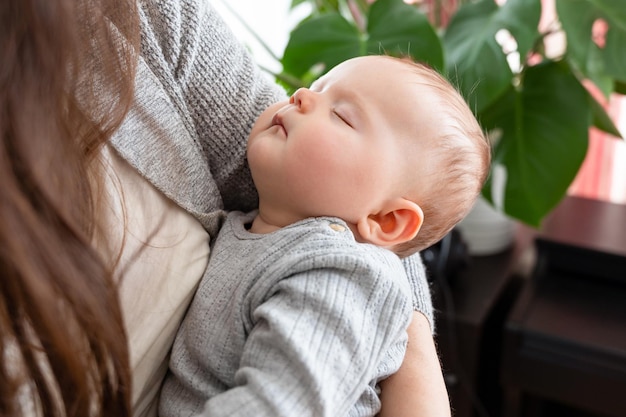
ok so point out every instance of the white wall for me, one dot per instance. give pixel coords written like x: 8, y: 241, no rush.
x: 270, y: 19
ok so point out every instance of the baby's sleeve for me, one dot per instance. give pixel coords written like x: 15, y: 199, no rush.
x: 420, y: 289
x: 318, y: 342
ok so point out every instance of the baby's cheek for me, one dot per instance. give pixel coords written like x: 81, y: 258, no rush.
x: 319, y: 162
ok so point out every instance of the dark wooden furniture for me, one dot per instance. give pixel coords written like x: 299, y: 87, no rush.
x: 565, y: 338
x: 470, y: 310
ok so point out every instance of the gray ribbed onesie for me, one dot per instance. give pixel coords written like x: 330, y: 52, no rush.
x: 301, y: 321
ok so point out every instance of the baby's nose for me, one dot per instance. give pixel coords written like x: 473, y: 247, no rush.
x: 304, y: 99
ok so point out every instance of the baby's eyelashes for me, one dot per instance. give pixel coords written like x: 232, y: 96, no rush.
x: 342, y: 117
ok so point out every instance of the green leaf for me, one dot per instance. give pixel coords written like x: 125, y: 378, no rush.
x: 614, y: 52
x: 596, y: 71
x: 601, y: 119
x: 614, y: 10
x: 619, y: 87
x: 474, y: 59
x: 318, y: 5
x: 395, y: 28
x: 577, y: 18
x: 544, y: 135
x: 521, y: 18
x: 327, y: 39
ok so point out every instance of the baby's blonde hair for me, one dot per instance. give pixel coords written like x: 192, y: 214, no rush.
x: 459, y: 163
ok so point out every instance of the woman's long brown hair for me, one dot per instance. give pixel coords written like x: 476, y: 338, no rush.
x: 66, y: 81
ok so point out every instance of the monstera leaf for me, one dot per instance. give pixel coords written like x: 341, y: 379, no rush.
x: 411, y: 34
x: 543, y: 133
x: 329, y: 38
x: 474, y: 59
x: 601, y: 63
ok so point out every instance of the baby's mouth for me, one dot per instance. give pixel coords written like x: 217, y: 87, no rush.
x: 277, y: 120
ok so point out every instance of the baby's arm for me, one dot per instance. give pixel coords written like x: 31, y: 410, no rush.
x: 319, y: 339
x: 418, y: 388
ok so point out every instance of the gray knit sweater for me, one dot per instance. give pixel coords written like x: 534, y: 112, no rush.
x: 303, y: 321
x: 197, y: 95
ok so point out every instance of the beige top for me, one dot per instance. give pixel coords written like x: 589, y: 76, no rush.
x: 162, y: 259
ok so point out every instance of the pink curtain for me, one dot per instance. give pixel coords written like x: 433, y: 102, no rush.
x: 602, y: 169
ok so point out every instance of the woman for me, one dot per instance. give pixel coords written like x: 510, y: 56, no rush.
x: 123, y: 141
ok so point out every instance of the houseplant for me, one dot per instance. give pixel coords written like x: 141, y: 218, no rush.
x: 534, y: 106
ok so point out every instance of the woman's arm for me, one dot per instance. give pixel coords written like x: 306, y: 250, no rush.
x: 418, y: 388
x: 212, y: 83
x: 224, y: 91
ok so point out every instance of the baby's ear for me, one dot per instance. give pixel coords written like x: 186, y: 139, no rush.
x: 399, y: 222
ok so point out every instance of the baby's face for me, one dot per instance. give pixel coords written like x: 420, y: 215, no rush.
x: 342, y: 147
